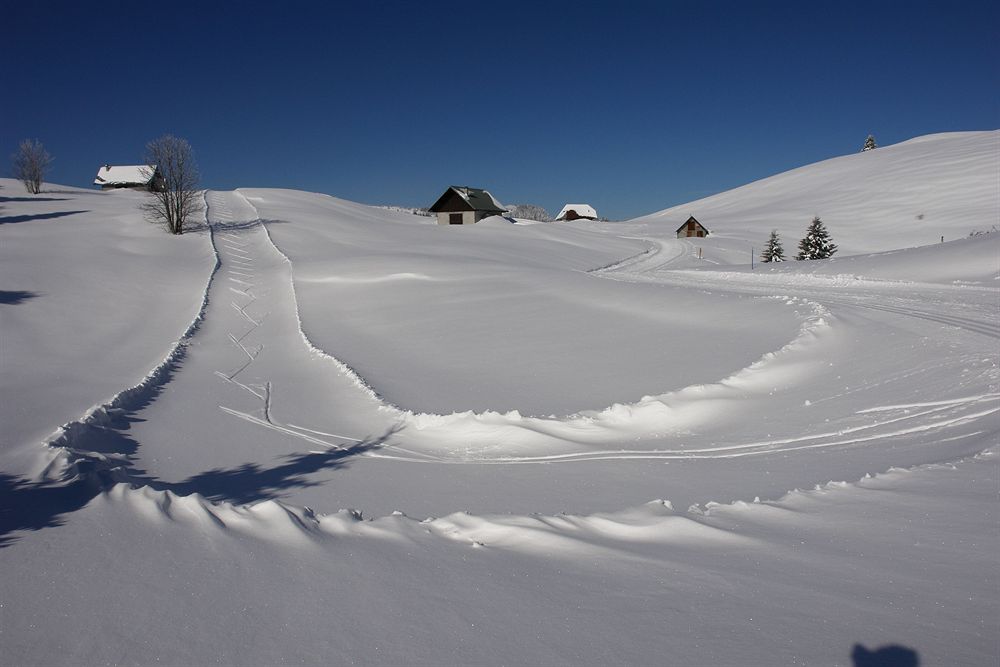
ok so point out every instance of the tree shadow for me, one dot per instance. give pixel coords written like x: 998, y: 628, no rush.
x: 252, y: 483
x: 11, y: 219
x: 14, y: 297
x: 26, y: 505
x: 885, y: 656
x: 4, y: 199
x: 231, y: 227
x: 76, y: 192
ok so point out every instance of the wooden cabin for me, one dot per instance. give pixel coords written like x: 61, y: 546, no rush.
x: 134, y: 177
x: 692, y: 228
x: 462, y: 205
x: 577, y: 212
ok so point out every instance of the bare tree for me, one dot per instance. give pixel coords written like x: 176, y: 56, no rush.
x: 31, y: 161
x: 530, y: 212
x: 174, y: 194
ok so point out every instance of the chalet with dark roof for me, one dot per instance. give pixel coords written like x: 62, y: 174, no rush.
x: 462, y: 205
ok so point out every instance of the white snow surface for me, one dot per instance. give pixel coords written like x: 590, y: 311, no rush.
x: 823, y: 435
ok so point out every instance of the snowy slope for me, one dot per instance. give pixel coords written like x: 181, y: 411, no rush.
x: 823, y: 437
x: 908, y: 194
x: 93, y: 297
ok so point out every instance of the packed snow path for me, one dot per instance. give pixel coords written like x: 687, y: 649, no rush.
x: 246, y: 377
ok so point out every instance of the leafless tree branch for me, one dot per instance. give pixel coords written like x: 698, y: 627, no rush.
x: 174, y: 195
x: 30, y: 163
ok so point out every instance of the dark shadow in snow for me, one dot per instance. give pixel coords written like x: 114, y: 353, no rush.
x: 252, y: 483
x: 885, y: 656
x: 234, y: 226
x: 11, y: 219
x: 28, y: 505
x: 14, y: 297
x: 81, y: 191
x: 29, y: 199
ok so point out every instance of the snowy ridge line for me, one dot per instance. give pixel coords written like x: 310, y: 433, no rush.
x: 559, y: 535
x: 65, y: 457
x: 346, y: 370
x: 650, y: 416
x: 751, y: 448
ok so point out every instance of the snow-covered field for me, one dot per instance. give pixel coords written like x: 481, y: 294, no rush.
x: 321, y: 432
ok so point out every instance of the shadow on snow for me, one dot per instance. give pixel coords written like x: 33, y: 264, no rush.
x: 885, y: 656
x: 26, y: 505
x: 11, y: 219
x: 14, y: 297
x: 4, y: 200
x: 103, y: 452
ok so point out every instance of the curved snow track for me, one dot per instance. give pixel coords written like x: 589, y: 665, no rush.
x: 271, y: 390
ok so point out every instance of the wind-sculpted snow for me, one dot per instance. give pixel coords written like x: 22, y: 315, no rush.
x: 563, y: 535
x: 488, y: 328
x: 211, y: 494
x: 673, y: 413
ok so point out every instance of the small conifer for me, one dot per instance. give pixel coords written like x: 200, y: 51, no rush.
x: 817, y: 243
x: 773, y: 252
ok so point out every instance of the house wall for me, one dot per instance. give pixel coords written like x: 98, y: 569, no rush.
x: 468, y: 217
x: 691, y: 228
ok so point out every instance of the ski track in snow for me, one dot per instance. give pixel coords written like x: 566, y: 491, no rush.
x: 574, y: 438
x: 654, y: 414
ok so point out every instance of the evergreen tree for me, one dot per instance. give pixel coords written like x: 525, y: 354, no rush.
x: 869, y: 144
x: 773, y: 252
x: 817, y: 243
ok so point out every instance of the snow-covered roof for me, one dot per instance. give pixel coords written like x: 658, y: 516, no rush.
x: 477, y: 198
x: 139, y: 174
x: 582, y: 211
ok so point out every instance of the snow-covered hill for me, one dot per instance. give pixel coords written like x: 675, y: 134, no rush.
x: 604, y: 448
x: 908, y: 194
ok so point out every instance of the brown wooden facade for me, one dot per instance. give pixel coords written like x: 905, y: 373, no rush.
x: 692, y: 228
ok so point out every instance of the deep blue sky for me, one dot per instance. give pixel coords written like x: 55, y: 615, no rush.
x: 629, y: 106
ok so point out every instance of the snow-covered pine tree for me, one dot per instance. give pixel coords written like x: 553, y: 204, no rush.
x: 773, y: 252
x: 869, y: 144
x: 817, y: 243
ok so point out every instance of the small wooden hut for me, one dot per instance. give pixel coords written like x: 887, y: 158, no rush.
x: 692, y: 228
